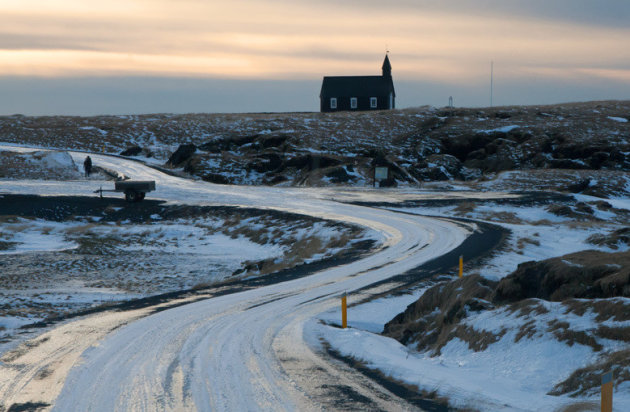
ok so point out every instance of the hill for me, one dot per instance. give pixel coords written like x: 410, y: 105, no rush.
x: 419, y: 145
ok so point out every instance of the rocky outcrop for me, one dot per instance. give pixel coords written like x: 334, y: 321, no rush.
x: 131, y: 151
x: 183, y: 153
x: 589, y: 274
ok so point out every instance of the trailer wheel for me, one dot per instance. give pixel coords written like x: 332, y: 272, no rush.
x: 141, y: 196
x: 132, y: 196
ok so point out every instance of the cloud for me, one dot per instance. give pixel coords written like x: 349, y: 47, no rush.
x: 449, y: 42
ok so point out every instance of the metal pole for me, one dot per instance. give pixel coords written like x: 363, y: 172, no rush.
x: 491, y: 80
x: 344, y: 311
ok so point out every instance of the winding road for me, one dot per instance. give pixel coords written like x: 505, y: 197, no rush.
x: 243, y: 351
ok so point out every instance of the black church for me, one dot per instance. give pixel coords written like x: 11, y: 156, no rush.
x: 359, y: 92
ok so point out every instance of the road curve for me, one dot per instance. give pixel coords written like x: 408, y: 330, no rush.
x: 230, y: 352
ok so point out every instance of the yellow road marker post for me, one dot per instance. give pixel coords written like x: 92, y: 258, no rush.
x: 344, y: 311
x: 607, y: 392
x: 461, y: 266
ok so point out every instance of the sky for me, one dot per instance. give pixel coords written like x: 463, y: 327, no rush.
x: 87, y: 57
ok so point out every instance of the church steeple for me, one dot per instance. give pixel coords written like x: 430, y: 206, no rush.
x: 387, y: 67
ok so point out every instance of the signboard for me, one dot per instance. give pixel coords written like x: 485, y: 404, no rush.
x: 380, y: 173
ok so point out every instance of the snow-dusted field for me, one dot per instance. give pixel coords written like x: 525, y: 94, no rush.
x: 240, y: 332
x: 515, y: 373
x: 259, y: 349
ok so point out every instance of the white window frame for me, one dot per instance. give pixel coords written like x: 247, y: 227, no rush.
x: 373, y: 102
x: 354, y: 103
x: 333, y: 102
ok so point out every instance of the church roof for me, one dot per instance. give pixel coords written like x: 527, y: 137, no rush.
x: 356, y: 86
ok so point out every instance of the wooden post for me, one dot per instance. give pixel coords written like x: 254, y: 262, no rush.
x: 607, y: 392
x: 344, y: 311
x: 461, y: 266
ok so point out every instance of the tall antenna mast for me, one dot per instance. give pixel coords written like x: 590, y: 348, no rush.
x: 491, y: 80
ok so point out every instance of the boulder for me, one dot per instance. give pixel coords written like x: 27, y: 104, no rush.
x: 312, y: 162
x: 267, y: 162
x: 267, y: 141
x: 567, y: 164
x: 216, y: 178
x: 223, y: 143
x: 338, y: 175
x: 597, y: 159
x: 450, y: 164
x: 460, y: 146
x: 389, y: 182
x: 588, y: 274
x: 131, y: 151
x: 182, y: 154
x: 579, y: 186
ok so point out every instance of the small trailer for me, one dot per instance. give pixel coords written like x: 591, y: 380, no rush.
x: 134, y: 190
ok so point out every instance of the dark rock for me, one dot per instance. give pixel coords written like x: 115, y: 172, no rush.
x: 582, y: 207
x: 338, y: 175
x: 389, y: 182
x: 519, y: 135
x: 422, y: 324
x: 479, y: 154
x: 450, y: 164
x: 276, y: 179
x: 131, y: 151
x: 223, y: 143
x: 602, y: 205
x: 241, y: 140
x: 216, y: 178
x: 312, y: 162
x: 430, y: 174
x: 499, y: 143
x: 613, y: 239
x: 560, y: 210
x: 579, y: 186
x: 437, y: 167
x: 272, y: 140
x: 566, y: 164
x: 182, y: 154
x: 577, y: 151
x: 460, y: 146
x: 588, y: 274
x: 266, y: 162
x: 597, y: 159
x: 216, y: 145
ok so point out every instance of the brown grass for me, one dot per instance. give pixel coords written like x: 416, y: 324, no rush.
x: 432, y: 320
x: 528, y: 330
x: 606, y: 309
x: 465, y: 207
x: 586, y: 381
x: 562, y: 332
x: 524, y: 241
x: 620, y: 334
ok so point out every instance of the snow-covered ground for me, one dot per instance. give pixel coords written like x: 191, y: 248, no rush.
x: 236, y: 352
x: 511, y: 374
x: 244, y: 329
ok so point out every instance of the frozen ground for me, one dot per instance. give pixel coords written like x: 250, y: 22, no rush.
x: 515, y: 372
x: 258, y: 358
x: 56, y: 267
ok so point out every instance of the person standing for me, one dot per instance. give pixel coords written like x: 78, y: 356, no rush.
x: 87, y: 166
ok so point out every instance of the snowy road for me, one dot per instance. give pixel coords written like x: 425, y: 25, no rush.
x: 232, y: 352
